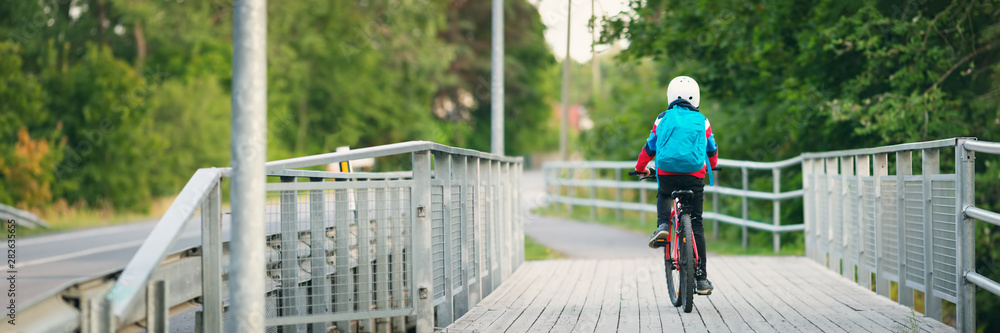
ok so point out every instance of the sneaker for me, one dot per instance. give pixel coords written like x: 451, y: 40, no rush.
x: 703, y: 287
x: 660, y: 237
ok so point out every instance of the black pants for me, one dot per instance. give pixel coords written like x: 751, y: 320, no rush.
x: 671, y: 183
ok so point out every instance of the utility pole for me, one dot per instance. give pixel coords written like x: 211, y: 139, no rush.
x: 496, y: 80
x: 563, y: 130
x: 595, y: 85
x: 248, y: 150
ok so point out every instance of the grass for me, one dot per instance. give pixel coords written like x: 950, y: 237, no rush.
x: 64, y: 217
x: 535, y: 251
x: 728, y: 243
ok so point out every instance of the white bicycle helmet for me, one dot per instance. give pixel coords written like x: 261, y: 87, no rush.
x: 684, y: 87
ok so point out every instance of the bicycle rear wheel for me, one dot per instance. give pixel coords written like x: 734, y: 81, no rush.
x: 687, y: 264
x: 673, y: 275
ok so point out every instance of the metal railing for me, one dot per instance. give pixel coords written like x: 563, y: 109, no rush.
x: 867, y: 215
x: 368, y: 251
x: 570, y: 176
x: 863, y: 215
x: 23, y: 218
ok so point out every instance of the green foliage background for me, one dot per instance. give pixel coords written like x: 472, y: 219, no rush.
x: 133, y: 96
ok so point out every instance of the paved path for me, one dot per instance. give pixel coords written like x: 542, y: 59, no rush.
x: 753, y: 294
x: 578, y: 239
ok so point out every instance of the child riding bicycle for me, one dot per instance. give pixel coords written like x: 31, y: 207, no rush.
x: 684, y: 152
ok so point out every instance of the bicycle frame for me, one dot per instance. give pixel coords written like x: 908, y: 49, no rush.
x: 673, y: 252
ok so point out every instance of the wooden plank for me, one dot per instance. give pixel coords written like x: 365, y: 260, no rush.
x: 670, y: 316
x: 629, y: 317
x: 728, y: 287
x: 521, y: 302
x: 733, y: 320
x: 842, y: 316
x: 787, y: 304
x: 649, y: 314
x: 880, y: 309
x: 591, y: 311
x: 524, y: 276
x: 560, y: 283
x: 709, y: 315
x: 611, y: 303
x: 565, y: 308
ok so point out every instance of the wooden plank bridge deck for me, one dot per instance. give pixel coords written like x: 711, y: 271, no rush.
x: 752, y: 294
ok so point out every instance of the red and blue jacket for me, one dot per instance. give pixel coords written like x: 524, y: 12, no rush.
x: 649, y: 149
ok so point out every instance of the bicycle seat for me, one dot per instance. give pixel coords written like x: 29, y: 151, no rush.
x: 681, y: 193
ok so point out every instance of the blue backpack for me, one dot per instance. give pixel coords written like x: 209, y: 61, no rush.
x: 681, y: 142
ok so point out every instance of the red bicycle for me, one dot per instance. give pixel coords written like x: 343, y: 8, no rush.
x: 680, y: 253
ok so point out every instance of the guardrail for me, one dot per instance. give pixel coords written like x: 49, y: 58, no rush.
x: 368, y: 251
x: 23, y: 218
x: 868, y: 215
x: 570, y: 176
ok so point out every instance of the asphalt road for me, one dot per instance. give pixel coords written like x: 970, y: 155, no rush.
x: 49, y: 262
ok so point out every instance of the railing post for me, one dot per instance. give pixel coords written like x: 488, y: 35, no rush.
x: 506, y: 219
x: 863, y: 170
x: 593, y: 195
x: 365, y: 274
x: 289, y: 266
x: 847, y: 239
x: 931, y: 165
x: 157, y: 310
x: 442, y: 172
x: 965, y: 169
x: 405, y: 220
x: 807, y: 208
x: 493, y: 193
x: 834, y: 245
x: 317, y: 238
x: 383, y: 225
x: 777, y: 209
x: 881, y: 166
x: 746, y: 210
x: 475, y: 254
x: 618, y: 193
x: 460, y: 171
x: 421, y: 260
x: 642, y: 199
x: 904, y: 167
x: 715, y: 222
x: 571, y: 190
x: 211, y: 260
x: 343, y: 289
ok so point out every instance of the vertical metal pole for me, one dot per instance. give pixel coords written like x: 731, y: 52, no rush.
x: 442, y: 172
x: 564, y: 129
x: 476, y: 258
x: 618, y: 193
x: 211, y: 261
x: 777, y: 209
x: 365, y: 272
x: 157, y: 312
x: 834, y: 247
x: 320, y: 288
x: 881, y: 166
x: 864, y: 171
x: 904, y: 167
x: 931, y: 166
x: 806, y: 208
x: 289, y: 266
x: 847, y: 238
x: 965, y: 169
x: 343, y: 288
x: 497, y: 80
x: 382, y: 250
x: 643, y: 200
x: 746, y: 209
x: 423, y: 276
x: 248, y: 151
x: 460, y: 170
x: 593, y: 195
